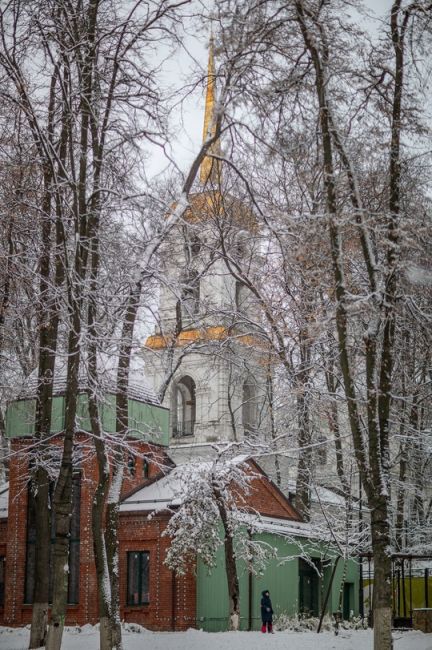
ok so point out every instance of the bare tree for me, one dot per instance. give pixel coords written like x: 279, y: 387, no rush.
x: 367, y: 271
x: 213, y: 496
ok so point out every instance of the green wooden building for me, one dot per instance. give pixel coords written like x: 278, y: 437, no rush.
x: 296, y: 587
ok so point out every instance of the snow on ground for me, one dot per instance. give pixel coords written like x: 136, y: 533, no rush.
x: 87, y: 638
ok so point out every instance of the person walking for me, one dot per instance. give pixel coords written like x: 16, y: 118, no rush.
x: 266, y: 613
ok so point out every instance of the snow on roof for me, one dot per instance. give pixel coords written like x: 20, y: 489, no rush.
x: 4, y: 500
x: 170, y: 490
x: 160, y: 495
x: 320, y: 493
x: 284, y: 527
x: 287, y: 527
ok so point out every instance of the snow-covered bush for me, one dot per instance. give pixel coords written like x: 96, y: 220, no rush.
x: 299, y: 623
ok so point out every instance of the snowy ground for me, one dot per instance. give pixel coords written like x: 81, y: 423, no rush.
x: 87, y: 638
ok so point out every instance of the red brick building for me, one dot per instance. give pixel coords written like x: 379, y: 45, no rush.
x: 151, y: 594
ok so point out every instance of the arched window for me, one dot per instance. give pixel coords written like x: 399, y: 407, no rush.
x: 183, y: 407
x: 249, y: 411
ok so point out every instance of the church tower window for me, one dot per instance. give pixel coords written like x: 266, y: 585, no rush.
x: 184, y: 407
x: 240, y: 296
x: 321, y: 453
x: 190, y: 296
x: 193, y: 247
x: 249, y: 414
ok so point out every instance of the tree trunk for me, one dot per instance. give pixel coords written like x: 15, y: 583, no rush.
x: 100, y: 552
x: 382, y: 596
x: 63, y: 492
x: 83, y: 221
x: 40, y: 478
x: 47, y: 354
x: 233, y: 583
x: 304, y: 463
x: 400, y: 501
x: 98, y: 520
x: 230, y: 565
x: 334, y: 428
x: 122, y: 423
x: 374, y: 468
x: 112, y: 549
x: 270, y: 401
x: 100, y: 496
x: 42, y: 550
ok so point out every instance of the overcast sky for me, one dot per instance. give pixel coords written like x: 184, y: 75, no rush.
x: 187, y: 118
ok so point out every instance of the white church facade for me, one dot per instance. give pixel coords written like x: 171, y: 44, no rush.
x: 206, y: 347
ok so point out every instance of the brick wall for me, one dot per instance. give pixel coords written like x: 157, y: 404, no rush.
x: 16, y: 612
x: 16, y: 536
x: 172, y: 598
x: 266, y: 498
x: 3, y: 547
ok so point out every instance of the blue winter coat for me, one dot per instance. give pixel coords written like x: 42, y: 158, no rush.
x: 266, y: 608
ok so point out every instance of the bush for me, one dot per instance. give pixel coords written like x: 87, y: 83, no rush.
x: 302, y: 623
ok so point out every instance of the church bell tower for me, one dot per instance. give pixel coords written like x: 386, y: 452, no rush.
x: 205, y: 356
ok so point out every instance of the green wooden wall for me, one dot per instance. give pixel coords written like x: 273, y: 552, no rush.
x: 145, y: 420
x: 281, y: 578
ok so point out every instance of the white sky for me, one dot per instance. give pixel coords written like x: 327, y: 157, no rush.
x: 187, y: 118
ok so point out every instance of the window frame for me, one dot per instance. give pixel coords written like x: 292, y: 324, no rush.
x: 249, y: 411
x: 321, y: 451
x: 183, y: 407
x: 141, y: 602
x: 190, y: 295
x: 74, y: 557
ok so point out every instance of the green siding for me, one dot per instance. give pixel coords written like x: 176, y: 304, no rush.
x: 212, y: 600
x: 20, y: 418
x: 280, y: 577
x: 351, y: 576
x: 149, y: 420
x: 108, y: 413
x: 145, y: 420
x: 57, y: 414
x: 82, y: 414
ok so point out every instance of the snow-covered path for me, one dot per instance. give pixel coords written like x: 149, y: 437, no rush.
x: 87, y: 639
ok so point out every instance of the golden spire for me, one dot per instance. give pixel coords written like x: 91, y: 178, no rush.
x: 210, y: 167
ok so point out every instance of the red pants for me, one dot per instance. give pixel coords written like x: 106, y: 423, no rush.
x: 266, y: 627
